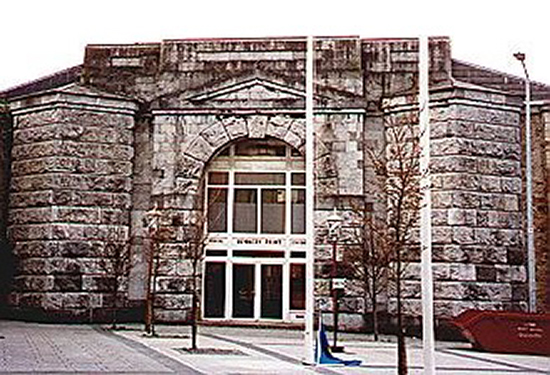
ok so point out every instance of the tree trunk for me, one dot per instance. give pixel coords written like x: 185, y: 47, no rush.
x: 194, y: 320
x: 374, y: 314
x: 401, y: 348
x: 150, y: 312
x: 149, y: 299
x: 115, y: 306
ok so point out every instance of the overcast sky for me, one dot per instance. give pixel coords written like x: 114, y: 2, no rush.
x: 39, y: 37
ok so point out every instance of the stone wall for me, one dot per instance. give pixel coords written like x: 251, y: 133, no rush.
x: 88, y: 164
x: 70, y: 197
x: 477, y: 223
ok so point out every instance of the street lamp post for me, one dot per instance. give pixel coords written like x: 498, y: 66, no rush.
x: 334, y: 223
x: 531, y: 280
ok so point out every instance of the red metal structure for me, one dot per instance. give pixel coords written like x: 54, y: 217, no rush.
x: 506, y: 331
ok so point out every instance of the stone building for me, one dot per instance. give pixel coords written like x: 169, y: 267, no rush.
x: 189, y: 126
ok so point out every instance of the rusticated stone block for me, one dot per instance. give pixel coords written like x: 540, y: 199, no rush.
x: 31, y: 216
x: 188, y: 168
x: 30, y: 232
x: 442, y: 235
x: 35, y: 249
x: 511, y: 273
x: 215, y: 135
x: 77, y: 215
x: 278, y: 126
x: 449, y: 290
x: 171, y: 284
x: 104, y: 283
x: 440, y: 271
x: 33, y: 183
x: 114, y: 217
x: 489, y: 292
x: 457, y: 216
x: 442, y: 199
x: 31, y: 199
x: 87, y: 198
x: 173, y: 301
x: 79, y: 249
x: 39, y: 283
x: 66, y: 300
x: 486, y: 273
x: 44, y: 117
x: 32, y: 300
x: 65, y: 266
x: 462, y: 272
x: 499, y: 167
x: 485, y: 254
x: 519, y: 292
x: 67, y: 283
x: 235, y: 127
x: 452, y: 308
x: 463, y: 235
x: 199, y: 149
x: 410, y: 289
x: 172, y: 316
x: 448, y: 253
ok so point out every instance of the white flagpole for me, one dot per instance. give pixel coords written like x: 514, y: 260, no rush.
x: 309, y: 355
x: 426, y: 210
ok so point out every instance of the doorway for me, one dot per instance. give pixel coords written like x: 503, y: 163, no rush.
x: 243, y: 290
x: 272, y: 291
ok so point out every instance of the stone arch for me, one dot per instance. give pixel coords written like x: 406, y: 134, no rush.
x: 213, y: 133
x: 227, y: 129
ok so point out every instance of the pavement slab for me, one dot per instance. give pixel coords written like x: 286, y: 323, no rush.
x: 70, y: 349
x: 32, y: 348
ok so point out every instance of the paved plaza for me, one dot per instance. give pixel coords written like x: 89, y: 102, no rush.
x: 27, y: 348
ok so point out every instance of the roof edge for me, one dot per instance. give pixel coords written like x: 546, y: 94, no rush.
x: 50, y: 81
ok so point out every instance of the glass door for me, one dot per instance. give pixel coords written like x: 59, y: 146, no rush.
x: 243, y: 290
x: 272, y: 290
x: 214, y: 290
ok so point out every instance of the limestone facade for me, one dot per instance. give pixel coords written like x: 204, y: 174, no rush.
x: 139, y: 126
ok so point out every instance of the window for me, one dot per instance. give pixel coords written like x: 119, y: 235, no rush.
x: 256, y: 187
x: 217, y: 210
x: 273, y: 211
x: 297, y: 286
x: 245, y: 211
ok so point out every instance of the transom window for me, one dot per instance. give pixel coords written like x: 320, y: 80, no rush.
x: 257, y: 187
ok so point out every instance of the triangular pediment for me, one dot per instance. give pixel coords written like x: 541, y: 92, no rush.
x: 255, y: 92
x: 256, y: 89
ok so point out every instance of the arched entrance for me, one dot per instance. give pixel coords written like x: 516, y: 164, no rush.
x: 254, y: 264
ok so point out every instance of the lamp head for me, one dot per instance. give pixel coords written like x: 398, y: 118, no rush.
x: 520, y: 56
x: 334, y: 222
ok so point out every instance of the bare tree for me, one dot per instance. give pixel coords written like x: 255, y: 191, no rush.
x: 162, y: 227
x: 158, y: 232
x: 368, y: 257
x: 196, y: 239
x: 383, y: 244
x: 402, y: 191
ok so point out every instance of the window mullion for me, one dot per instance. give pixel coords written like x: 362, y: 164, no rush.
x: 230, y: 203
x: 259, y: 203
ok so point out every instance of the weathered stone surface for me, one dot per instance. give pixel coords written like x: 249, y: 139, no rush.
x: 84, y: 173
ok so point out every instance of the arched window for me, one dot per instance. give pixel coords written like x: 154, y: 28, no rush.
x: 256, y: 187
x: 255, y: 257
